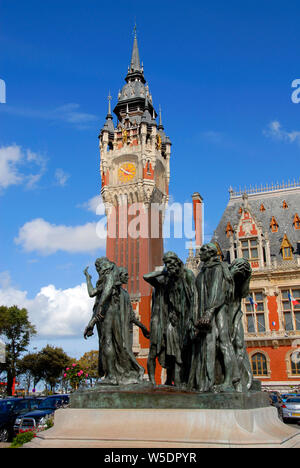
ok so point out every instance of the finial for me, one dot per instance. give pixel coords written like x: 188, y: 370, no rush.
x: 160, y: 125
x: 109, y: 105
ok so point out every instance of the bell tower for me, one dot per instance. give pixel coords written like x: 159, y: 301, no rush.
x: 135, y: 173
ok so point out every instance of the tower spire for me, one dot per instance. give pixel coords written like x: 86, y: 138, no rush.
x: 135, y: 56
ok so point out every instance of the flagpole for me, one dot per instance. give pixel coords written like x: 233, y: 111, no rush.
x: 292, y: 310
x: 254, y: 316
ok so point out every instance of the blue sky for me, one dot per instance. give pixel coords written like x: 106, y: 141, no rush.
x: 222, y: 73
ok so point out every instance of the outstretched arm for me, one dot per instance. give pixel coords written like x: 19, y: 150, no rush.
x: 91, y: 290
x: 154, y: 277
x: 139, y: 324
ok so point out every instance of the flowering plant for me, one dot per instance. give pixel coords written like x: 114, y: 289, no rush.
x: 75, y: 375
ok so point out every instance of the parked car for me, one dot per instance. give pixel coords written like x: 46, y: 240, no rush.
x: 10, y: 409
x: 39, y: 418
x: 285, y: 396
x: 291, y: 409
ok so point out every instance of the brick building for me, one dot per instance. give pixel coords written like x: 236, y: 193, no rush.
x: 263, y: 225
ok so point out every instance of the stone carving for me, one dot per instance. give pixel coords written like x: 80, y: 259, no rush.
x: 112, y: 314
x: 171, y: 319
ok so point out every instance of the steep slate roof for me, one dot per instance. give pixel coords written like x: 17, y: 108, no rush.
x: 273, y: 204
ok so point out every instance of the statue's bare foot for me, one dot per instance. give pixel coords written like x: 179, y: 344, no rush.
x: 238, y: 387
x: 109, y: 381
x: 224, y: 388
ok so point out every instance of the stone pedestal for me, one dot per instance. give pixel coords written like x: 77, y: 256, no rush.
x: 167, y: 428
x: 166, y: 418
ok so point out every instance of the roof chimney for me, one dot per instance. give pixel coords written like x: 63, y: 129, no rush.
x: 198, y: 218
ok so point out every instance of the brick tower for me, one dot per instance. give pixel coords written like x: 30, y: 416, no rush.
x: 135, y: 173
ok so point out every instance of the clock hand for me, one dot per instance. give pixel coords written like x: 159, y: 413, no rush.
x: 126, y: 172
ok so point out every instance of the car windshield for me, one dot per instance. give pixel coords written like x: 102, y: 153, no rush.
x: 293, y: 400
x: 21, y: 405
x: 48, y: 403
x: 5, y: 406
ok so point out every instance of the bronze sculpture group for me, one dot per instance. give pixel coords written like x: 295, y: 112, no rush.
x: 196, y: 330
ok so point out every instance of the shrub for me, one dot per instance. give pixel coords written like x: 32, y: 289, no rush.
x: 22, y: 438
x: 75, y: 376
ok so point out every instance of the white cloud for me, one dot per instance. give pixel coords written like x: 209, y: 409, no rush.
x: 16, y: 166
x: 212, y: 136
x: 54, y: 312
x: 10, y: 157
x: 61, y: 177
x: 94, y: 204
x: 274, y: 130
x: 69, y: 113
x: 45, y: 238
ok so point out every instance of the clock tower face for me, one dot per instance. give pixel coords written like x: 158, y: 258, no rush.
x: 126, y: 172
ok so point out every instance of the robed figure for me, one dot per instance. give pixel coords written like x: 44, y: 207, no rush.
x: 173, y: 302
x: 241, y: 272
x: 117, y: 364
x: 214, y: 364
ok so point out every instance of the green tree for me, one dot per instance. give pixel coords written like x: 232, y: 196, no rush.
x: 30, y: 367
x: 17, y: 331
x: 89, y: 362
x: 52, y: 362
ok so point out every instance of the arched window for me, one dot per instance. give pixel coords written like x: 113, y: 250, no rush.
x: 295, y: 363
x: 259, y: 365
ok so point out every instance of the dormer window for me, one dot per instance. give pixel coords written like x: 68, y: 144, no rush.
x: 262, y: 208
x: 220, y: 254
x: 286, y: 249
x: 296, y: 221
x: 274, y: 225
x: 250, y: 249
x: 229, y: 230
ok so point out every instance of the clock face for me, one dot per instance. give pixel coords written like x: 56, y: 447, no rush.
x: 126, y: 172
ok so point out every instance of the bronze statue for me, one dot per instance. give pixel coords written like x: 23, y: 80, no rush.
x: 171, y: 319
x: 213, y: 344
x: 241, y: 271
x: 117, y: 363
x: 128, y: 312
x: 196, y: 329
